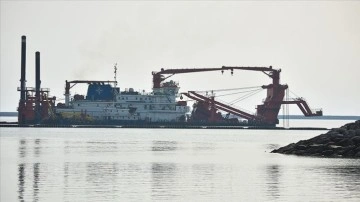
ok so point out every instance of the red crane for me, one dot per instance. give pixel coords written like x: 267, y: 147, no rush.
x: 158, y: 76
x: 269, y: 110
x: 266, y: 113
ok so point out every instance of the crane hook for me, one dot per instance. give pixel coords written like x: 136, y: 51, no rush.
x: 222, y: 71
x: 232, y: 72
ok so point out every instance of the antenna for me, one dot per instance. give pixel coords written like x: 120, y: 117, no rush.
x: 115, y: 71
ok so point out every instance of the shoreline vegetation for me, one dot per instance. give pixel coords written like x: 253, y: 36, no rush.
x: 343, y: 142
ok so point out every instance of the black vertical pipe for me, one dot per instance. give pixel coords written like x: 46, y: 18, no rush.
x: 37, y: 86
x: 37, y: 73
x: 23, y: 68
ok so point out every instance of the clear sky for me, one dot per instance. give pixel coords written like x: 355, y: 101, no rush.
x: 315, y: 43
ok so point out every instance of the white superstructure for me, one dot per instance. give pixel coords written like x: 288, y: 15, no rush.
x: 106, y: 103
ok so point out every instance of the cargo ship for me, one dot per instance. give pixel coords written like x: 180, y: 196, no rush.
x: 105, y: 103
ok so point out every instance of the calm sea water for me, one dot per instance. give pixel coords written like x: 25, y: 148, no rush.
x: 77, y: 164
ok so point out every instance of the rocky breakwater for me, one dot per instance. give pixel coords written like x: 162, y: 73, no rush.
x: 343, y: 142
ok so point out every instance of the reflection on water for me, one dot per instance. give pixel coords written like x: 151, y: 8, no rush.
x: 21, y: 183
x: 273, y: 181
x: 270, y: 147
x: 36, y: 180
x: 23, y: 179
x: 203, y: 146
x: 164, y: 146
x: 100, y: 146
x: 135, y: 166
x: 204, y: 178
x: 163, y: 181
x: 37, y: 147
x: 22, y: 148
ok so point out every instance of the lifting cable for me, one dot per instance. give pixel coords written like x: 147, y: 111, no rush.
x: 236, y: 107
x: 294, y: 94
x: 229, y: 89
x: 254, y: 90
x: 245, y: 96
x: 238, y: 92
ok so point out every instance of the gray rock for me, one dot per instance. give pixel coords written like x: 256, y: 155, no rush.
x: 340, y: 130
x: 300, y: 147
x: 322, y: 140
x: 343, y: 142
x: 334, y: 147
x: 346, y: 142
x: 357, y: 132
x: 351, y: 133
x: 356, y: 139
x: 327, y: 152
x: 299, y: 152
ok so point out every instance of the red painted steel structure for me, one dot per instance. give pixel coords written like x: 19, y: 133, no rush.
x: 35, y: 105
x: 218, y: 105
x: 266, y: 113
x: 33, y: 112
x: 158, y: 76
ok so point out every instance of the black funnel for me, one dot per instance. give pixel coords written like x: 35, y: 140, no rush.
x: 37, y: 73
x: 23, y: 68
x: 37, y: 87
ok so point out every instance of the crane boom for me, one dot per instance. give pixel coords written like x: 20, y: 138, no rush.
x: 273, y: 73
x: 263, y: 69
x: 266, y: 112
x: 158, y: 76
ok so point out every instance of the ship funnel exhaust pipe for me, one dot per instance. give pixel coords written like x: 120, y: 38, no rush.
x: 21, y: 109
x: 37, y: 73
x: 23, y: 69
x: 37, y: 87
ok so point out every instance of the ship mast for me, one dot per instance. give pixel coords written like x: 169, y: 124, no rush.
x: 115, y: 71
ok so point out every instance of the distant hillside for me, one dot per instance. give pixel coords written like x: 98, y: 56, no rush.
x: 8, y: 113
x: 322, y: 117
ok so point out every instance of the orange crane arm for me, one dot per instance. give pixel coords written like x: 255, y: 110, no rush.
x: 304, y: 107
x: 262, y: 69
x: 158, y: 76
x: 273, y: 73
x: 195, y: 96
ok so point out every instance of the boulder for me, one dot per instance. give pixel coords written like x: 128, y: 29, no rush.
x: 343, y: 142
x: 356, y: 139
x: 327, y: 152
x: 357, y: 132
